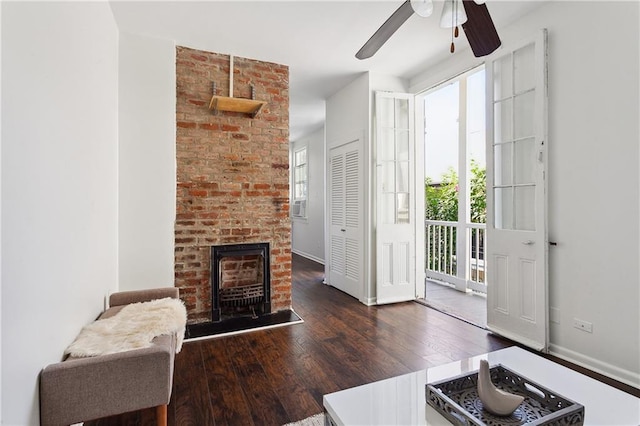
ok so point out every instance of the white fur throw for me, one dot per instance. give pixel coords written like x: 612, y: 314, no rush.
x: 134, y: 327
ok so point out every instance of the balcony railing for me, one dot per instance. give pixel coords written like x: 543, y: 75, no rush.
x: 455, y: 254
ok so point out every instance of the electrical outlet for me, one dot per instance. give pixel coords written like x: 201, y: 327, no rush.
x: 583, y: 325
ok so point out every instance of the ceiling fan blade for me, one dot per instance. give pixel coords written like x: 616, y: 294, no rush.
x: 385, y: 31
x: 479, y: 29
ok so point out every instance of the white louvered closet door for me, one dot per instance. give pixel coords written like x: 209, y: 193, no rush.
x: 346, y: 233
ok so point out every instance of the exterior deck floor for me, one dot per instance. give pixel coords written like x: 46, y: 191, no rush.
x: 470, y: 307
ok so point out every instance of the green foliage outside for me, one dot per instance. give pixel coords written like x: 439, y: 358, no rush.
x: 441, y: 201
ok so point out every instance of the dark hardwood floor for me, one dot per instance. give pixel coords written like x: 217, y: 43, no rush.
x: 276, y: 376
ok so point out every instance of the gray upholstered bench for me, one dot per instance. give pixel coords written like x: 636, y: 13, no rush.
x: 81, y: 389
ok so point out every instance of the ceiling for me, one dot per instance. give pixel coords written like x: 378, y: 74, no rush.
x: 316, y: 39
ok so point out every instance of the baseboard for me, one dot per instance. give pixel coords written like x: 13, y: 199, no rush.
x: 625, y: 376
x: 308, y: 256
x: 369, y: 301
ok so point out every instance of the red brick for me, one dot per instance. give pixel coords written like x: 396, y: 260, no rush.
x: 185, y: 240
x: 209, y: 126
x: 232, y: 173
x: 198, y: 193
x: 240, y: 136
x: 200, y: 57
x: 230, y: 128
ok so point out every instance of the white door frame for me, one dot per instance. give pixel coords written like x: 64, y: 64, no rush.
x: 461, y: 281
x: 421, y: 254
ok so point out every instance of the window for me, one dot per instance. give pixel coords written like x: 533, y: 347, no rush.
x: 300, y: 183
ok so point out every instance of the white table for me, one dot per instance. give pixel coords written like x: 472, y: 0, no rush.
x: 401, y: 400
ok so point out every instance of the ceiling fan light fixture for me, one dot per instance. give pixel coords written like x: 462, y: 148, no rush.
x: 453, y: 14
x: 422, y: 8
x: 472, y: 15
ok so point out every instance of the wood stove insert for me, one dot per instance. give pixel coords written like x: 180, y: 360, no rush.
x: 240, y: 280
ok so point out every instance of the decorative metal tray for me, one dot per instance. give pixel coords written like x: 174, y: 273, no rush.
x: 457, y: 400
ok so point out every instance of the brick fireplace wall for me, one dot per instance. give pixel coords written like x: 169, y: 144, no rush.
x: 232, y: 173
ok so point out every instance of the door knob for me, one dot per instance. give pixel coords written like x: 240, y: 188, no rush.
x: 528, y: 242
x: 343, y: 230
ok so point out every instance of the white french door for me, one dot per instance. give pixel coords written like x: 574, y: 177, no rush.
x: 517, y: 240
x: 345, y: 218
x: 395, y: 198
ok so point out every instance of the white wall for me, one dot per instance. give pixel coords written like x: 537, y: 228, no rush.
x: 593, y: 192
x: 59, y: 185
x: 347, y: 112
x: 147, y: 161
x: 593, y: 176
x: 307, y: 235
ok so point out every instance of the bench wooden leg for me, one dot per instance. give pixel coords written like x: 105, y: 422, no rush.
x: 161, y: 415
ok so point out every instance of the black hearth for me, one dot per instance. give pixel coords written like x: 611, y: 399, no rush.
x: 240, y: 281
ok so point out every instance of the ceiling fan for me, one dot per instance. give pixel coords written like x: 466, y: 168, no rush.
x: 472, y: 15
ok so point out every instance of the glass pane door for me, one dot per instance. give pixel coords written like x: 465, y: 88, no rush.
x: 514, y: 143
x: 393, y: 152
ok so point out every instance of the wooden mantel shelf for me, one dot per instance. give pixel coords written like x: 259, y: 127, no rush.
x: 226, y: 103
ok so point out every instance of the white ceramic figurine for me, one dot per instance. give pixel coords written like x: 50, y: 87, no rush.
x: 495, y: 400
